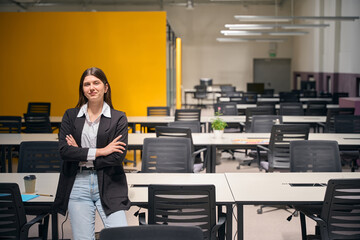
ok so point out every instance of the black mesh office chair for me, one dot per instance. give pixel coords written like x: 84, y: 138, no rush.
x: 316, y: 108
x: 187, y: 205
x: 329, y: 126
x: 337, y: 95
x: 313, y: 156
x: 39, y: 107
x: 268, y: 93
x: 167, y: 155
x: 9, y: 124
x: 37, y: 123
x: 289, y: 97
x: 309, y: 94
x: 250, y: 98
x: 339, y: 218
x: 348, y: 124
x: 291, y: 109
x: 278, y: 152
x: 187, y: 114
x: 176, y: 130
x: 151, y: 232
x: 250, y: 112
x: 13, y: 222
x: 200, y: 94
x: 194, y: 126
x: 155, y: 112
x: 227, y: 88
x: 39, y: 157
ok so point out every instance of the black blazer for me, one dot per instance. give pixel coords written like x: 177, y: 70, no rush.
x: 112, y: 182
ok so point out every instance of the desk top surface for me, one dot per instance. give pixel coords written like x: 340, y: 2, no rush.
x: 253, y: 188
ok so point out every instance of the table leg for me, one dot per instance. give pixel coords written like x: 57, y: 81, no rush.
x: 229, y: 212
x: 54, y: 226
x: 240, y: 221
x: 3, y: 157
x: 211, y: 159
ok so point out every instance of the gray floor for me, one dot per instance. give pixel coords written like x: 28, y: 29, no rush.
x: 269, y: 225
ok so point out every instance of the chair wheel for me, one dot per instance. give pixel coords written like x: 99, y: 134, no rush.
x: 238, y: 167
x: 296, y: 214
x: 259, y: 211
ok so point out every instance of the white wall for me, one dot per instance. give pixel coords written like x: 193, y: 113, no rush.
x: 332, y: 49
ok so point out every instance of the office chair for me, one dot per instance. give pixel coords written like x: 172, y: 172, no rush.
x: 150, y: 232
x: 9, y: 124
x: 155, y: 112
x: 37, y: 123
x: 337, y: 95
x: 291, y: 109
x: 227, y: 88
x: 313, y: 156
x: 289, y: 97
x: 193, y: 205
x: 177, y: 131
x: 309, y: 94
x: 231, y: 94
x: 187, y: 114
x: 316, y: 108
x: 250, y: 112
x: 39, y: 157
x: 348, y: 124
x: 339, y: 218
x: 39, y: 107
x: 194, y: 126
x: 167, y: 155
x: 249, y: 98
x: 268, y: 93
x: 329, y: 126
x: 261, y: 124
x: 200, y: 94
x: 13, y: 222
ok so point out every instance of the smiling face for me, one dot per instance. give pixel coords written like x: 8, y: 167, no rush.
x: 94, y: 89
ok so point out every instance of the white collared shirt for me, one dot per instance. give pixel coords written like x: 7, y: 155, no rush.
x: 89, y: 133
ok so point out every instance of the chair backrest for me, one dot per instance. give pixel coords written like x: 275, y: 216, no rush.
x: 262, y: 110
x: 231, y: 94
x: 341, y: 210
x: 264, y: 123
x: 291, y: 109
x: 249, y: 97
x: 167, y: 155
x: 337, y: 95
x: 192, y: 205
x: 39, y: 157
x: 289, y: 97
x: 268, y: 93
x: 150, y: 232
x: 206, y: 81
x: 330, y: 117
x: 39, y: 107
x: 10, y: 124
x: 347, y: 124
x: 314, y: 156
x: 309, y: 94
x: 227, y: 88
x: 158, y: 111
x: 279, y: 145
x: 194, y: 126
x: 12, y: 211
x: 316, y: 108
x: 226, y: 108
x: 37, y: 123
x: 187, y: 114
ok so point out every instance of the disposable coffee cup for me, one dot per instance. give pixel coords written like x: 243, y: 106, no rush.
x: 30, y: 181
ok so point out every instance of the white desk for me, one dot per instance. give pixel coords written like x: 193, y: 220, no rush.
x: 274, y: 188
x: 277, y: 106
x: 46, y: 183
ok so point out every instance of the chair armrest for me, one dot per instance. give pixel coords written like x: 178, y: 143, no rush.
x: 221, y: 221
x: 25, y: 229
x: 142, y: 219
x: 198, y: 151
x: 321, y: 124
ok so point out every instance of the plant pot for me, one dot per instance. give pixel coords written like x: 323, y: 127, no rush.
x: 218, y: 134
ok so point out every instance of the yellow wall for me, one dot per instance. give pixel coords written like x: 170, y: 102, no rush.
x: 42, y: 56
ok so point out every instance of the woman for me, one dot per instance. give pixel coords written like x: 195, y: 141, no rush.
x: 92, y: 140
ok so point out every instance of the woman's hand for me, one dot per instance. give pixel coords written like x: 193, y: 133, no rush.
x: 71, y: 141
x: 112, y: 147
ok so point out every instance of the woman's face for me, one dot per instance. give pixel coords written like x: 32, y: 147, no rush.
x: 94, y: 89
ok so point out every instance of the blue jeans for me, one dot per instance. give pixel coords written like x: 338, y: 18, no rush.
x: 84, y: 200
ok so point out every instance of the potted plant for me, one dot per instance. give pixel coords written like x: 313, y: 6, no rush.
x: 218, y: 125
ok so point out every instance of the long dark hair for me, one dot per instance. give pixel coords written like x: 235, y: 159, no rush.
x: 96, y: 72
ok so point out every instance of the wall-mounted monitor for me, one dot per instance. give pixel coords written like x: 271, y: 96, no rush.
x: 255, y: 87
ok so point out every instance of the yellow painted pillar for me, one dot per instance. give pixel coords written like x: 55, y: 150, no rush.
x: 178, y: 73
